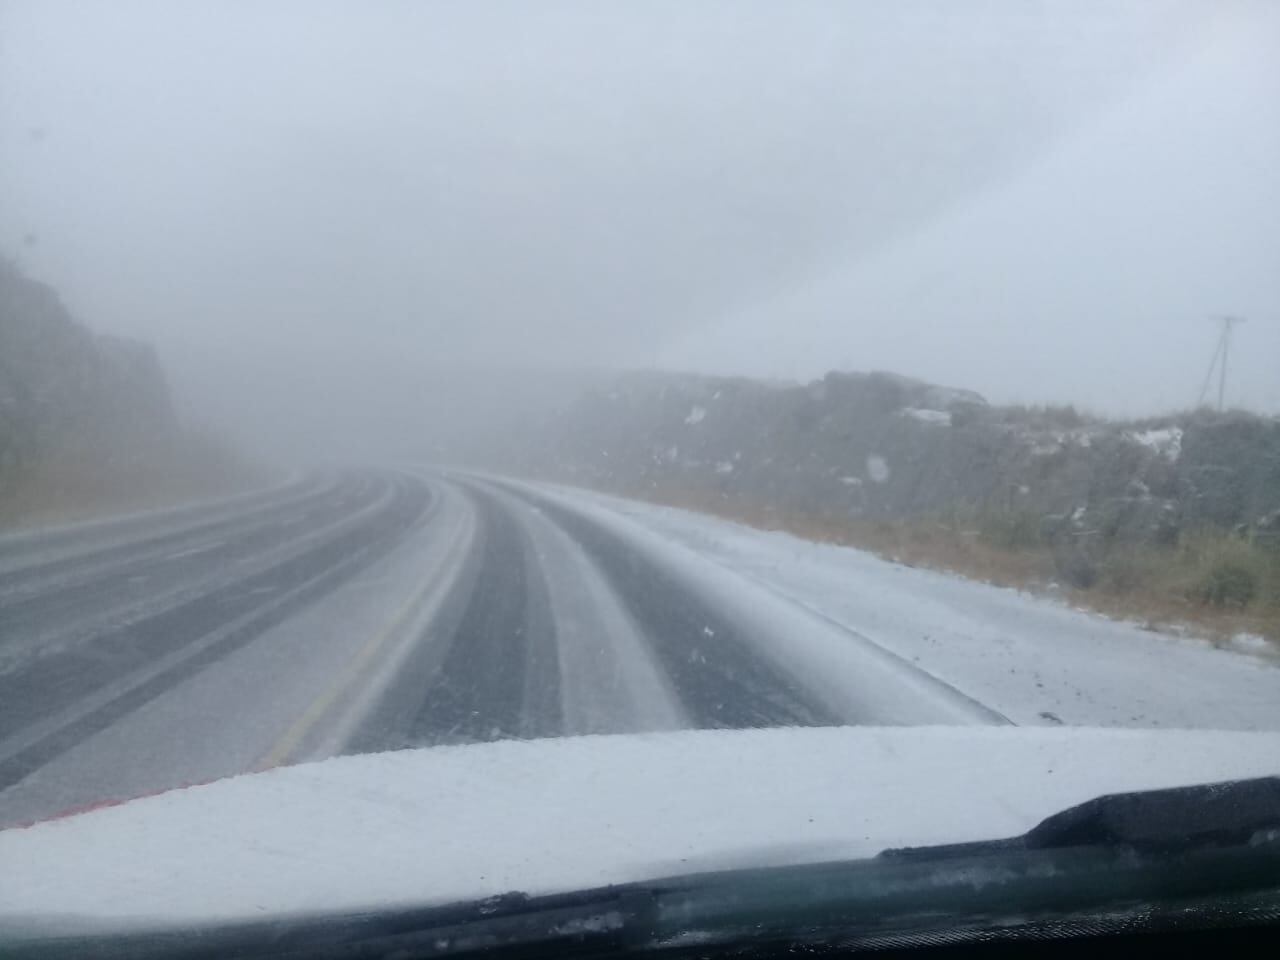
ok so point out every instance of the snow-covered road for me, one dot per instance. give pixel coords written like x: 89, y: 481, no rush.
x: 387, y: 610
x: 1034, y: 659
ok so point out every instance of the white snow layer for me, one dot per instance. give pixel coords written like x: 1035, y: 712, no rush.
x: 1166, y: 442
x: 941, y: 418
x: 451, y: 823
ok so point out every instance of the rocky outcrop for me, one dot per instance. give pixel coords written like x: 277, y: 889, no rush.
x: 883, y: 446
x: 61, y: 383
x: 66, y: 391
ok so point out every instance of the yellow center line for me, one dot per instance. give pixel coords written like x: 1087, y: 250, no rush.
x: 299, y: 729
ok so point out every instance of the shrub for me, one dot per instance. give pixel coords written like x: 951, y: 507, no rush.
x: 1128, y: 569
x: 1012, y: 530
x: 1075, y: 566
x: 1228, y: 571
x: 1227, y: 584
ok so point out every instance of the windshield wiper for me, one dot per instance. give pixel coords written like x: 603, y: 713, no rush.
x: 1192, y: 858
x: 1179, y: 818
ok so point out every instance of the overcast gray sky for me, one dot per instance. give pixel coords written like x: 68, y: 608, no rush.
x: 1037, y: 200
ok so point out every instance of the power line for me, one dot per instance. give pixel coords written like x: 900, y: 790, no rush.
x: 1221, y: 352
x: 1208, y: 374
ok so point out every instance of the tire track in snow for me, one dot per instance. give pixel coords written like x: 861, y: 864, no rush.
x: 499, y: 678
x: 609, y: 680
x: 63, y: 556
x: 718, y: 679
x: 58, y: 702
x: 60, y: 611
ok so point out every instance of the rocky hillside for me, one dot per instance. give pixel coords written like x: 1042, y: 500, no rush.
x: 881, y: 446
x: 85, y: 419
x: 62, y: 385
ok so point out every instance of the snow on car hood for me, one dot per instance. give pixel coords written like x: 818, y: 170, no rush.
x: 453, y: 823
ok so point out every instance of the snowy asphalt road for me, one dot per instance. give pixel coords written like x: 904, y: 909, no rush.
x: 382, y: 610
x: 379, y: 610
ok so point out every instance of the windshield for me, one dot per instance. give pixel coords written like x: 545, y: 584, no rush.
x: 451, y: 448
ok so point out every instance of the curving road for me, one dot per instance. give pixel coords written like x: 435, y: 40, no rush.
x: 379, y: 610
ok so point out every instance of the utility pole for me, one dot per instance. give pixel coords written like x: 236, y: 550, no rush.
x: 1219, y: 361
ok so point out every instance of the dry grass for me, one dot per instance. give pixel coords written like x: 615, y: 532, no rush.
x: 69, y: 486
x: 1195, y: 585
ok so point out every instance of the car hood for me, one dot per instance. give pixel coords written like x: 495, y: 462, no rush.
x: 465, y: 822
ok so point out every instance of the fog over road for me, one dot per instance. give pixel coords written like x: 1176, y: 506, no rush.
x: 379, y: 610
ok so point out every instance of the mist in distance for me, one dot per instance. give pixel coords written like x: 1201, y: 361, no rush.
x: 373, y: 229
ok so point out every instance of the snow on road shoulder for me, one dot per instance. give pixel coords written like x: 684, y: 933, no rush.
x: 1033, y: 659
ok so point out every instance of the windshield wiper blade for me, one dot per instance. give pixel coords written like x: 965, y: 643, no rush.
x: 1206, y: 854
x: 1175, y: 819
x: 1178, y: 818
